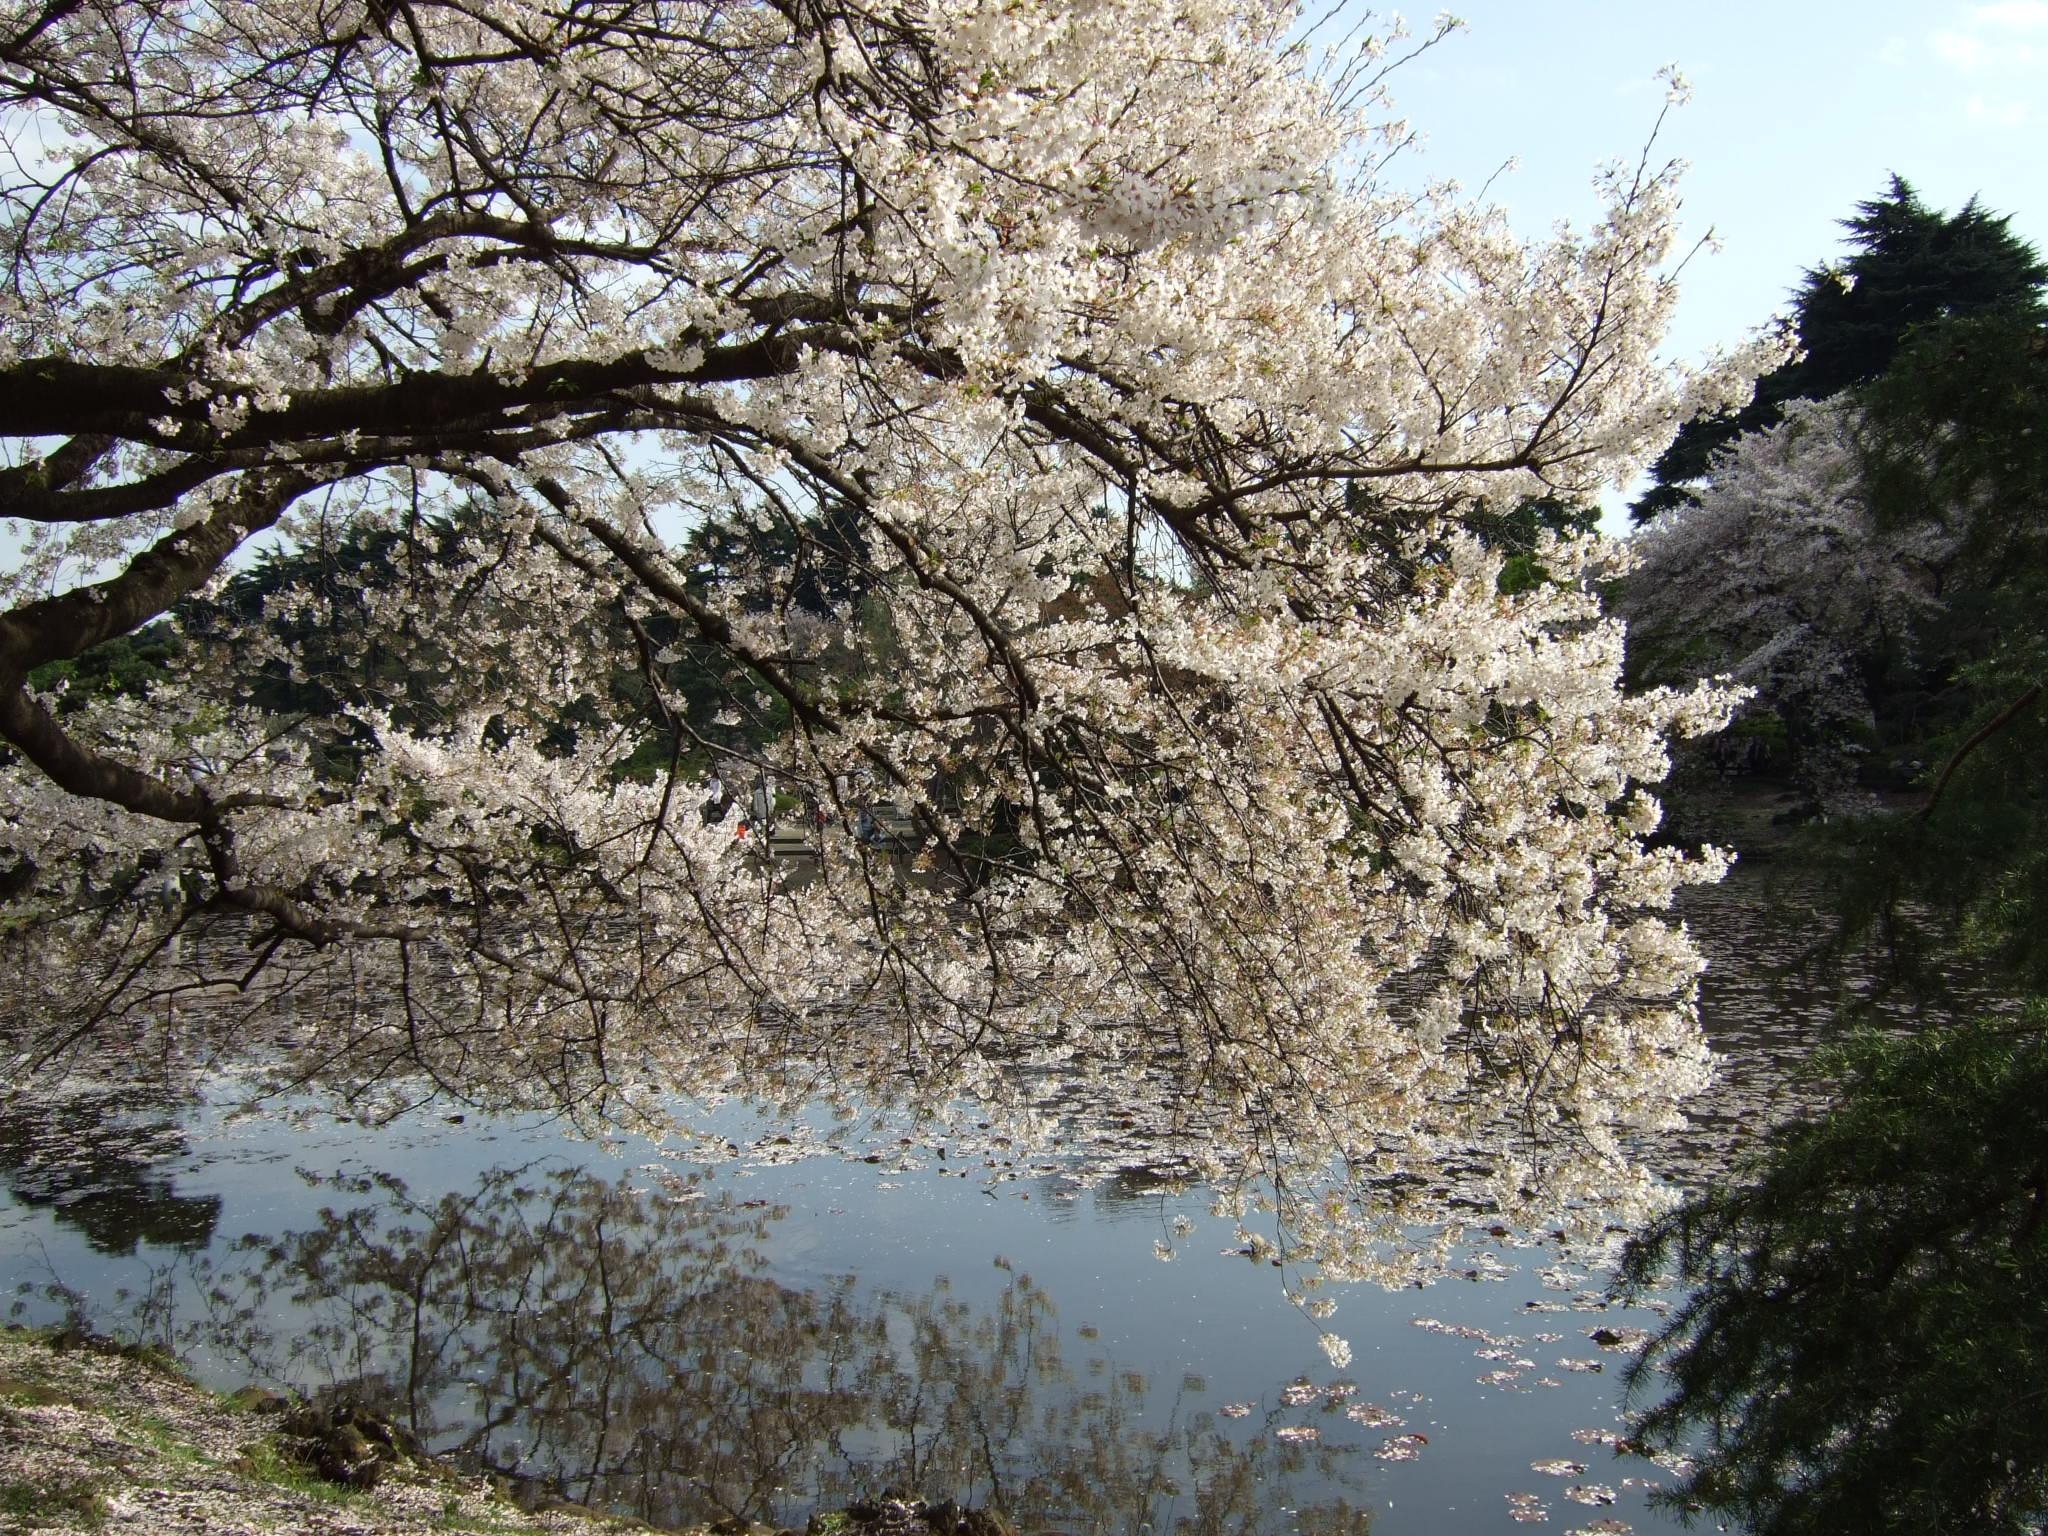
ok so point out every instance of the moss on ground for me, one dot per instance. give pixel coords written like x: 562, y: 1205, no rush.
x: 74, y: 1503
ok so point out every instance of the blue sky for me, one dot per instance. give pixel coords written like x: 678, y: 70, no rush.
x: 1799, y: 109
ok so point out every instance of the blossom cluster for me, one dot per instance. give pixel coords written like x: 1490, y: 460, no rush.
x: 1046, y: 429
x: 1780, y: 577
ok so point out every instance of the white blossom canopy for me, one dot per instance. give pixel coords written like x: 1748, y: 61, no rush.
x: 1043, y: 419
x: 1779, y: 576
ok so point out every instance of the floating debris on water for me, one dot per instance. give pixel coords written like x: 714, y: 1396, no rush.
x: 1402, y: 1448
x: 1630, y: 1339
x: 1373, y: 1416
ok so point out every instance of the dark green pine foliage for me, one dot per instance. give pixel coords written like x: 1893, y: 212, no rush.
x: 1515, y: 534
x: 325, y: 600
x: 319, y: 599
x: 1866, y: 1347
x: 1865, y: 1344
x: 1960, y: 433
x: 817, y: 563
x: 332, y: 603
x: 1910, y: 266
x: 127, y: 665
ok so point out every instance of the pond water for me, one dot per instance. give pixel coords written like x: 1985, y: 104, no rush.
x: 764, y: 1340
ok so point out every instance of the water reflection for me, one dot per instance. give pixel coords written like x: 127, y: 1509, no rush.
x: 1772, y: 991
x: 94, y: 1158
x: 620, y: 1341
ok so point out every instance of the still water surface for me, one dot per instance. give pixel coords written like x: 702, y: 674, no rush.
x: 767, y: 1340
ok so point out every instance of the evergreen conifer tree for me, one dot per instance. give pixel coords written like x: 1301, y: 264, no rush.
x: 1911, y: 265
x: 1864, y: 1340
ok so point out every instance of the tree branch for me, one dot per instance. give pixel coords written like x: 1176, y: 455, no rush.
x: 1977, y: 739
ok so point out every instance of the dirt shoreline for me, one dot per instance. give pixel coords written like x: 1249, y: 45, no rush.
x: 99, y: 1437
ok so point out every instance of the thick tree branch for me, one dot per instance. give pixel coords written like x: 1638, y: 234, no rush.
x: 71, y: 623
x: 35, y: 733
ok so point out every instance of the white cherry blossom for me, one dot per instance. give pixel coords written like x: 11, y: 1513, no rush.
x: 1093, y: 427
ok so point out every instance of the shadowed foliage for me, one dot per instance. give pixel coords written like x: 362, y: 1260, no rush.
x: 1864, y: 1348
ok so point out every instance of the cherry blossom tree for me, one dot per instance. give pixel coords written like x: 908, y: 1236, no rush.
x: 1135, y: 413
x: 1780, y: 575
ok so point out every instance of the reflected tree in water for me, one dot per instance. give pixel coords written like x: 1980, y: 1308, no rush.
x: 619, y: 1343
x: 95, y: 1160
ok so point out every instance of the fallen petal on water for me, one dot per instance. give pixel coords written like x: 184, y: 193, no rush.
x: 1373, y: 1416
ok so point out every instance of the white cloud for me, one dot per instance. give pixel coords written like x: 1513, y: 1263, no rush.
x: 1990, y: 38
x: 1962, y: 50
x: 1997, y: 114
x: 2013, y: 15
